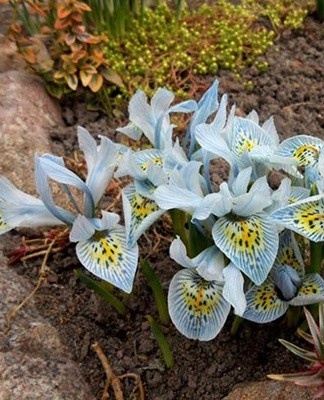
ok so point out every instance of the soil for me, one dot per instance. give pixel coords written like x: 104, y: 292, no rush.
x: 292, y: 90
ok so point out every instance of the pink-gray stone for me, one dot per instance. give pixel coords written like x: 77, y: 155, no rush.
x: 270, y: 390
x: 34, y: 364
x: 27, y: 115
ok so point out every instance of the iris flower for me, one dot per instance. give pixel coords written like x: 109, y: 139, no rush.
x: 242, y: 229
x: 101, y: 242
x: 287, y: 285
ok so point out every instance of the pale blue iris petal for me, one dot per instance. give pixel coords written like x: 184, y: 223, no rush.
x: 63, y: 175
x: 206, y: 106
x: 270, y: 128
x: 9, y: 193
x: 320, y: 165
x: 218, y: 204
x: 139, y: 213
x: 161, y: 102
x: 185, y: 107
x: 140, y: 114
x: 45, y: 193
x: 240, y: 184
x: 131, y: 130
x: 253, y: 116
x: 233, y: 288
x: 128, y: 165
x: 197, y: 307
x: 88, y: 146
x: 255, y: 201
x: 210, y: 264
x: 178, y: 253
x: 109, y: 220
x: 311, y: 291
x: 212, y: 141
x: 4, y: 227
x: 280, y: 197
x: 100, y: 174
x: 29, y: 216
x: 169, y: 196
x: 246, y: 135
x: 289, y: 252
x: 174, y: 157
x: 305, y: 217
x: 287, y: 280
x: 263, y: 304
x: 298, y: 193
x: 82, y: 229
x: 108, y: 257
x: 305, y: 149
x: 250, y: 243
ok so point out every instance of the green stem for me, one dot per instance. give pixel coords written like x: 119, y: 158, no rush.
x: 101, y: 291
x: 316, y: 249
x: 293, y: 316
x: 320, y: 9
x: 158, y: 292
x: 162, y: 342
x: 236, y: 324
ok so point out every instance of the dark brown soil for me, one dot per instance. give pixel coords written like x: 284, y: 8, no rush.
x: 293, y: 91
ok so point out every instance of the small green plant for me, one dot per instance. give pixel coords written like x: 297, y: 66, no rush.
x: 314, y: 374
x: 54, y: 41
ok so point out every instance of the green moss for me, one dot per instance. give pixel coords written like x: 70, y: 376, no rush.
x: 160, y: 50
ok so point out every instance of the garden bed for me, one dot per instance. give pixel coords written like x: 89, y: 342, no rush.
x: 292, y: 90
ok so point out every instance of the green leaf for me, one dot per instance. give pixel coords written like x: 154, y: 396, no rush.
x: 101, y: 291
x: 158, y: 292
x: 162, y: 342
x: 112, y: 77
x: 298, y: 351
x: 317, y: 335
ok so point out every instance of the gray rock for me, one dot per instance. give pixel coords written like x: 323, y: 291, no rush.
x: 27, y: 114
x: 34, y: 364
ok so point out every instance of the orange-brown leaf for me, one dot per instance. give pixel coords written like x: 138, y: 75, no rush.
x: 85, y: 78
x: 72, y: 81
x: 29, y: 55
x: 63, y: 11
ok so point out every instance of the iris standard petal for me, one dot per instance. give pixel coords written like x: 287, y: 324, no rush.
x: 289, y: 253
x: 233, y: 288
x: 305, y: 217
x: 107, y: 256
x: 210, y: 264
x: 178, y: 253
x: 82, y: 229
x: 263, y: 304
x: 251, y: 243
x: 197, y: 307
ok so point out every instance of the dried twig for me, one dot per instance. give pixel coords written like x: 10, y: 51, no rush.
x: 115, y: 381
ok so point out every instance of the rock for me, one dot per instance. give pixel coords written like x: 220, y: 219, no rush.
x: 270, y: 390
x: 34, y: 364
x: 27, y: 114
x: 10, y: 59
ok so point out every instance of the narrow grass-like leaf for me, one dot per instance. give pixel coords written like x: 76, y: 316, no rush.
x: 162, y: 342
x: 158, y: 292
x: 298, y: 351
x: 304, y: 378
x: 316, y: 334
x: 102, y: 292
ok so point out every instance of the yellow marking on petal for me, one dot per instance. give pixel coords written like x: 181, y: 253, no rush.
x: 245, y: 235
x: 142, y: 207
x: 309, y: 288
x: 245, y: 144
x: 266, y: 298
x: 306, y: 155
x: 106, y: 251
x: 200, y: 297
x: 155, y: 160
x: 310, y: 217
